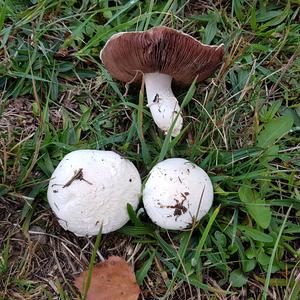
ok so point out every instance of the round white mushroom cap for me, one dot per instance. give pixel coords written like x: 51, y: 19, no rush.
x: 176, y: 193
x: 90, y: 188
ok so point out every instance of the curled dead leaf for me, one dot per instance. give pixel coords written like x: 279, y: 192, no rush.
x: 112, y: 279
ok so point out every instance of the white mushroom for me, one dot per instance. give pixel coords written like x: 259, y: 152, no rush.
x: 176, y: 193
x: 90, y: 188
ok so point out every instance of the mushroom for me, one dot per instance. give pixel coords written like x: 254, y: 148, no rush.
x: 91, y: 188
x: 161, y: 54
x: 177, y: 193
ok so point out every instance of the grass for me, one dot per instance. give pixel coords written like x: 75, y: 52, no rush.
x: 242, y: 126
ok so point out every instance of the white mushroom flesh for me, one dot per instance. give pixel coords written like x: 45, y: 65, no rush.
x: 91, y: 188
x: 163, y: 104
x: 177, y: 193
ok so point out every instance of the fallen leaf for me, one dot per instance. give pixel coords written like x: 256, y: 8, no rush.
x: 112, y: 279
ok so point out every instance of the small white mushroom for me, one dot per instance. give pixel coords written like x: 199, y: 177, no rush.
x: 90, y: 188
x: 176, y: 193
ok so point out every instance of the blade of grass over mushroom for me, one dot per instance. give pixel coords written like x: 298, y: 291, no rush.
x: 166, y: 145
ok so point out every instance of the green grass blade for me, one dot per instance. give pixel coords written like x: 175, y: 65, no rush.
x: 167, y: 142
x: 203, y: 238
x: 267, y: 283
x: 143, y: 271
x: 87, y: 282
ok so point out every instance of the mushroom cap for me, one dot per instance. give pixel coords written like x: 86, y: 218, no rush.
x: 127, y: 55
x: 176, y: 193
x: 105, y: 184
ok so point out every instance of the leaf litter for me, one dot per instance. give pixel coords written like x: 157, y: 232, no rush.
x: 112, y: 279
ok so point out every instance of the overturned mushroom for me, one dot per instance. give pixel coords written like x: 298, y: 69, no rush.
x: 161, y: 54
x: 177, y: 193
x: 91, y: 188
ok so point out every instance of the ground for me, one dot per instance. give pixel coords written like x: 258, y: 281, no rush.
x: 241, y: 126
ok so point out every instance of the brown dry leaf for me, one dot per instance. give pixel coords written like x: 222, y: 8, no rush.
x: 112, y: 279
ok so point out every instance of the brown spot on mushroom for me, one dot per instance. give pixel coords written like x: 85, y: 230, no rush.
x: 55, y: 191
x: 156, y: 98
x: 77, y: 176
x: 179, y: 208
x: 54, y: 184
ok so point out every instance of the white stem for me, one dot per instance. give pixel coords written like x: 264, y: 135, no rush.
x: 163, y: 104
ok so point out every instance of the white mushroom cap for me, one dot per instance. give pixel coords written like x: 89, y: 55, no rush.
x: 91, y: 187
x: 176, y: 192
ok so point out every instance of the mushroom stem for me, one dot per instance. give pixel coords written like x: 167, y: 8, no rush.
x: 162, y: 102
